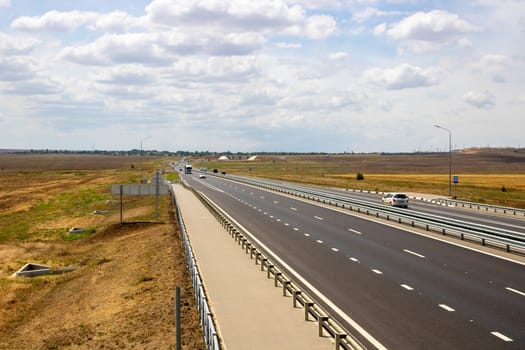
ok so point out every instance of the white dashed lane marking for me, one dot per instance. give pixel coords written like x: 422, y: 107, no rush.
x: 295, y: 209
x: 335, y: 249
x: 377, y: 272
x: 414, y: 253
x: 307, y: 234
x: 354, y: 259
x: 318, y: 218
x: 501, y: 336
x: 355, y: 231
x: 407, y: 287
x: 446, y: 307
x: 319, y: 241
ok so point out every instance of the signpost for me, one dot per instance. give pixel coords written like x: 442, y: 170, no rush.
x: 152, y: 189
x: 456, y: 181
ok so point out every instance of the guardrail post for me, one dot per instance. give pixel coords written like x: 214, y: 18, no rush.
x: 276, y: 276
x: 295, y: 295
x: 307, y: 306
x: 263, y: 261
x: 285, y: 286
x: 269, y: 270
x: 338, y: 338
x: 321, y: 320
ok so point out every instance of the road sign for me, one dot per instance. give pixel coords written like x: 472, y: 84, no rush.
x: 456, y: 179
x: 139, y: 189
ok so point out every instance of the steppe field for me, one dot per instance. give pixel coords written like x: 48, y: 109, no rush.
x: 495, y: 176
x: 121, y: 294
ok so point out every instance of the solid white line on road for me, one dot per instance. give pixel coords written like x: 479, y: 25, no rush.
x: 407, y: 287
x: 354, y: 259
x: 501, y: 336
x: 335, y: 249
x: 515, y: 291
x: 446, y: 307
x: 319, y: 241
x: 414, y: 253
x: 355, y: 231
x: 377, y: 271
x: 293, y: 208
x: 318, y: 218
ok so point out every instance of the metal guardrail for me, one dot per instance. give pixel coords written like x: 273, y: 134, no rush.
x: 342, y: 338
x: 498, y: 236
x: 479, y: 206
x: 211, y: 339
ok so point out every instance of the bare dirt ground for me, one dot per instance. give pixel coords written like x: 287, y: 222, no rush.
x: 120, y: 296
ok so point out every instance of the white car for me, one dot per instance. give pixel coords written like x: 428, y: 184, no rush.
x: 202, y: 176
x: 396, y: 199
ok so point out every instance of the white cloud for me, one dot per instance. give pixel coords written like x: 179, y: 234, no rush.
x: 480, y: 99
x: 117, y: 21
x: 263, y: 16
x: 337, y: 56
x: 497, y: 67
x: 54, y: 21
x: 284, y: 45
x: 429, y: 30
x: 369, y: 12
x: 10, y: 45
x: 17, y: 68
x: 34, y: 87
x: 5, y: 3
x: 118, y: 48
x: 401, y: 77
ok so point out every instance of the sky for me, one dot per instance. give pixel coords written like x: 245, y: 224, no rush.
x: 262, y: 75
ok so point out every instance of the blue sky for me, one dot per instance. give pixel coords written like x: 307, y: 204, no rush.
x: 265, y: 75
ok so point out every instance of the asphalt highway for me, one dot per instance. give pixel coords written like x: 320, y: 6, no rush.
x: 406, y: 290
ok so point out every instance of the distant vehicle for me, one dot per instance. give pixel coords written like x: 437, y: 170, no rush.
x: 223, y: 173
x: 396, y: 199
x: 202, y: 176
x: 187, y: 169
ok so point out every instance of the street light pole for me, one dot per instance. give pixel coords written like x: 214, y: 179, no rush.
x: 449, y: 158
x: 145, y: 138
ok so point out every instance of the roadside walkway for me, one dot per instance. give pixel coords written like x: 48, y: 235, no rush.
x: 251, y: 313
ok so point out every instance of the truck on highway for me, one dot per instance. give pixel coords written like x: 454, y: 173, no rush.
x: 187, y: 169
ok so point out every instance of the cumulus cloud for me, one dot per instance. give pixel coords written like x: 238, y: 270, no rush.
x: 54, y: 21
x: 284, y: 45
x: 34, y: 87
x: 496, y: 66
x: 480, y: 99
x: 262, y: 16
x: 427, y: 30
x: 116, y: 21
x: 118, y: 48
x: 127, y: 75
x: 10, y: 45
x: 337, y: 56
x: 401, y: 77
x: 369, y: 12
x: 17, y: 68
